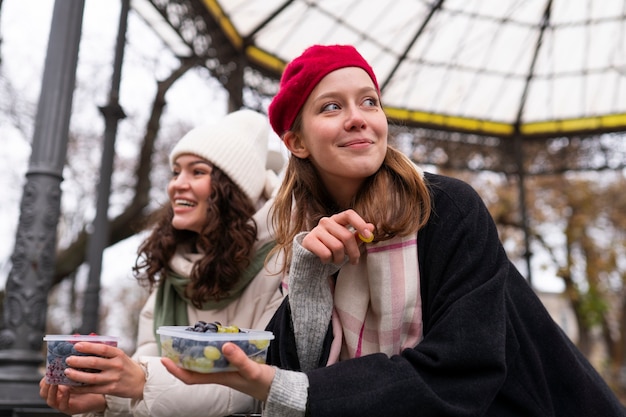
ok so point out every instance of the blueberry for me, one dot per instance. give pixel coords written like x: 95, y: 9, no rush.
x: 178, y: 343
x: 66, y: 349
x: 245, y: 346
x: 220, y: 363
x: 195, y: 351
x: 215, y: 343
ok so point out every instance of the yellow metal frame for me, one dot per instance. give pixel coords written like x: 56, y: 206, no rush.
x: 549, y: 128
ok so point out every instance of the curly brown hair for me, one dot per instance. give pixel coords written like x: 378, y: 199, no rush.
x: 226, y: 241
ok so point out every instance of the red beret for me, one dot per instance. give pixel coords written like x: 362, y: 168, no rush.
x: 302, y: 75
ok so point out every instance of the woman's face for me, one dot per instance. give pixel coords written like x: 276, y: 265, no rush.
x: 344, y: 131
x: 189, y: 190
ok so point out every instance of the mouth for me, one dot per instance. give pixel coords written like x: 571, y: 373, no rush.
x: 356, y: 142
x: 184, y: 203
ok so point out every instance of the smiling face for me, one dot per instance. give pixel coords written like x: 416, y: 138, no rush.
x: 343, y: 133
x: 189, y: 190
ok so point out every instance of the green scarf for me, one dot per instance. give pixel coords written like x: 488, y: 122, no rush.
x: 170, y: 306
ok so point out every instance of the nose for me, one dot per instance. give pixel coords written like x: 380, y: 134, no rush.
x: 180, y: 181
x: 355, y: 119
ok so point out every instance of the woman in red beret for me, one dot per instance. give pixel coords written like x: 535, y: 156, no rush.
x: 402, y: 300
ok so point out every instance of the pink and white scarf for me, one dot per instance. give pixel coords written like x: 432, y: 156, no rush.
x: 378, y: 306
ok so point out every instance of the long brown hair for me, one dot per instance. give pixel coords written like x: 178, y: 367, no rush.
x: 395, y: 199
x: 226, y: 241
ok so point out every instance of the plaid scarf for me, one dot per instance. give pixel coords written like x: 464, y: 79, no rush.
x: 378, y: 305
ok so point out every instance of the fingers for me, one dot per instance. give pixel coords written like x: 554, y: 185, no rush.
x: 366, y: 237
x: 99, y: 357
x: 331, y: 241
x: 45, y: 390
x: 91, y: 379
x: 56, y: 396
x: 85, y: 369
x: 256, y: 379
x: 65, y: 399
x: 338, y: 237
x: 238, y: 358
x: 117, y: 375
x: 98, y: 349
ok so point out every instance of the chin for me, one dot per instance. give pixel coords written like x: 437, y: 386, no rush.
x: 179, y: 225
x: 366, y: 172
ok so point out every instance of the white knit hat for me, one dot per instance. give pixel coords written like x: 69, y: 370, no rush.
x: 237, y: 144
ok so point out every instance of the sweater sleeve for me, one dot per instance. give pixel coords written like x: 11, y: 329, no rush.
x: 307, y: 312
x: 288, y: 395
x: 458, y: 367
x: 311, y: 302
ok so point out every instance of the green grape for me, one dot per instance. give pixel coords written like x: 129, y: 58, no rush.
x: 260, y: 344
x: 203, y: 365
x: 212, y: 353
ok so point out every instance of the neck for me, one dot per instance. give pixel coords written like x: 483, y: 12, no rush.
x: 343, y: 193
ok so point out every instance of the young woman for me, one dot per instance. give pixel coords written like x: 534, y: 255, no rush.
x: 402, y: 301
x: 205, y: 259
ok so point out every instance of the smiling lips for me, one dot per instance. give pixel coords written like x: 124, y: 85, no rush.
x: 185, y: 203
x: 357, y: 142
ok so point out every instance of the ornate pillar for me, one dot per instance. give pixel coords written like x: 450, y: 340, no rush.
x: 33, y: 258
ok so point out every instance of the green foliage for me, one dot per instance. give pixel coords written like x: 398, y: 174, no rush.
x: 592, y: 307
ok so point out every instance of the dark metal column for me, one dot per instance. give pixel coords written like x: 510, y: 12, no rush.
x: 518, y: 145
x: 99, y: 239
x: 33, y: 258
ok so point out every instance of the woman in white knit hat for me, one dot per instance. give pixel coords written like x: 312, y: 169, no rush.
x: 205, y: 261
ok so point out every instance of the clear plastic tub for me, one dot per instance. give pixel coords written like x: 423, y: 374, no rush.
x: 60, y: 346
x: 202, y: 352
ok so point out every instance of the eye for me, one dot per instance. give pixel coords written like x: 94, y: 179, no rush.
x: 199, y: 172
x: 370, y: 102
x: 175, y: 173
x: 330, y: 107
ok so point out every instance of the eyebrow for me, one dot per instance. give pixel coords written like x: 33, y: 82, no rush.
x: 333, y: 93
x: 202, y: 162
x: 195, y: 162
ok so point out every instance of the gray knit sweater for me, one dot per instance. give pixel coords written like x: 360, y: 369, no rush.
x: 288, y: 393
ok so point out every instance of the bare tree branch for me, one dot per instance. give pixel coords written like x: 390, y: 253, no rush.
x: 134, y: 215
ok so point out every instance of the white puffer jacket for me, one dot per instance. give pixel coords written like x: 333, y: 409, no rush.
x: 165, y: 395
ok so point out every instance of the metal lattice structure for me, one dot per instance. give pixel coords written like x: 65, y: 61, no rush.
x: 232, y: 39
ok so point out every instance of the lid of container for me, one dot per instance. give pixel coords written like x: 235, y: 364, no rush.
x: 80, y: 338
x: 244, y: 334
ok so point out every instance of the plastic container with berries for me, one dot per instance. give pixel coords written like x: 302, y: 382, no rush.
x: 60, y: 346
x: 199, y: 348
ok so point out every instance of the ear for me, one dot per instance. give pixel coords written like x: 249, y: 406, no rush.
x: 296, y: 146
